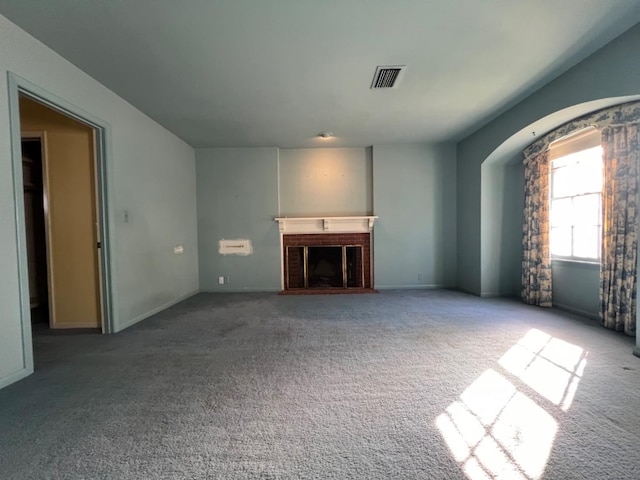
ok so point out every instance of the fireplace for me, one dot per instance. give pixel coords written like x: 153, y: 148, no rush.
x: 317, y: 259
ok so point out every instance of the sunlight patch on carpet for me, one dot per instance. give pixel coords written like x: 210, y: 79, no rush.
x: 552, y: 367
x: 496, y: 430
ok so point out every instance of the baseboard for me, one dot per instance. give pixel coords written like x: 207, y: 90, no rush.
x: 139, y: 318
x: 241, y: 290
x: 489, y: 295
x: 467, y: 291
x: 576, y: 311
x: 14, y: 377
x: 63, y: 326
x: 412, y: 287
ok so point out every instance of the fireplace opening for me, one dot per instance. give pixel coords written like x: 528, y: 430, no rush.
x: 325, y: 267
x: 327, y: 263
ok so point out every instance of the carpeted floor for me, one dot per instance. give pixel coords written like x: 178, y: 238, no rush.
x: 399, y: 385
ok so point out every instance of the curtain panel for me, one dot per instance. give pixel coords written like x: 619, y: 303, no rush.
x: 536, y: 260
x: 618, y: 272
x: 617, y: 280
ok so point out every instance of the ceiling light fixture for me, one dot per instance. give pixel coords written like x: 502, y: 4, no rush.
x: 326, y: 135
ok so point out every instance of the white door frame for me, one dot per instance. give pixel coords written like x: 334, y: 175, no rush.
x: 20, y: 86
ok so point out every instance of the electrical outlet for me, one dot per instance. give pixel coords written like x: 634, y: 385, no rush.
x: 420, y: 277
x: 220, y: 280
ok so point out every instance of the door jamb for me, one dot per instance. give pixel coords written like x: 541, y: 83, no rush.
x: 103, y: 158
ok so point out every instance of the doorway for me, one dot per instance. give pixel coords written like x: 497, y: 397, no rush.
x: 61, y: 209
x: 20, y: 87
x: 34, y: 216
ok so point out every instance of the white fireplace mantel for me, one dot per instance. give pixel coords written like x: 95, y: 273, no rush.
x: 355, y: 224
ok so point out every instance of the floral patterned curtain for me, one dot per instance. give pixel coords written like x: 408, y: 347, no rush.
x: 617, y: 115
x: 536, y: 261
x: 618, y: 271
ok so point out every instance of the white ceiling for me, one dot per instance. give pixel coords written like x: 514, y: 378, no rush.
x: 240, y: 73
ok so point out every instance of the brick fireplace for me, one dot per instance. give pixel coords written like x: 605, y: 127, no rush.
x: 326, y: 254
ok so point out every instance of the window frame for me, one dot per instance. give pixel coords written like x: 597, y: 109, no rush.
x: 577, y: 143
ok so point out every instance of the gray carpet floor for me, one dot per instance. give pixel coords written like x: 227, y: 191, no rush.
x: 400, y: 385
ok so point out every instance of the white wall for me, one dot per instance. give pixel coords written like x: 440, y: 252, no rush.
x: 151, y: 175
x: 325, y: 181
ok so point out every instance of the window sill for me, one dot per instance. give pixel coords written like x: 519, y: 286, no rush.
x: 586, y: 264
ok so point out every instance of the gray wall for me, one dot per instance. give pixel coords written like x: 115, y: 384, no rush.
x: 154, y: 181
x: 510, y: 282
x: 576, y: 287
x: 414, y: 196
x: 611, y: 72
x: 325, y: 181
x: 237, y: 191
x: 151, y: 174
x: 411, y: 188
x: 502, y: 205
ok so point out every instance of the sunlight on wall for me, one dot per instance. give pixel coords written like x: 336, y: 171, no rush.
x: 496, y: 430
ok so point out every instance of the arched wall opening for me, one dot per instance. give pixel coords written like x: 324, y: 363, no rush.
x: 502, y: 200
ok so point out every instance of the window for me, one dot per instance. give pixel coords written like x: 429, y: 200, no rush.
x: 576, y: 201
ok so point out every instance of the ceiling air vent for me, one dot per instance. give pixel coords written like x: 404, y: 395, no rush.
x: 388, y: 76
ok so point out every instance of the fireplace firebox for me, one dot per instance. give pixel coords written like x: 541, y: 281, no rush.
x: 332, y: 266
x: 326, y: 254
x: 330, y: 261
